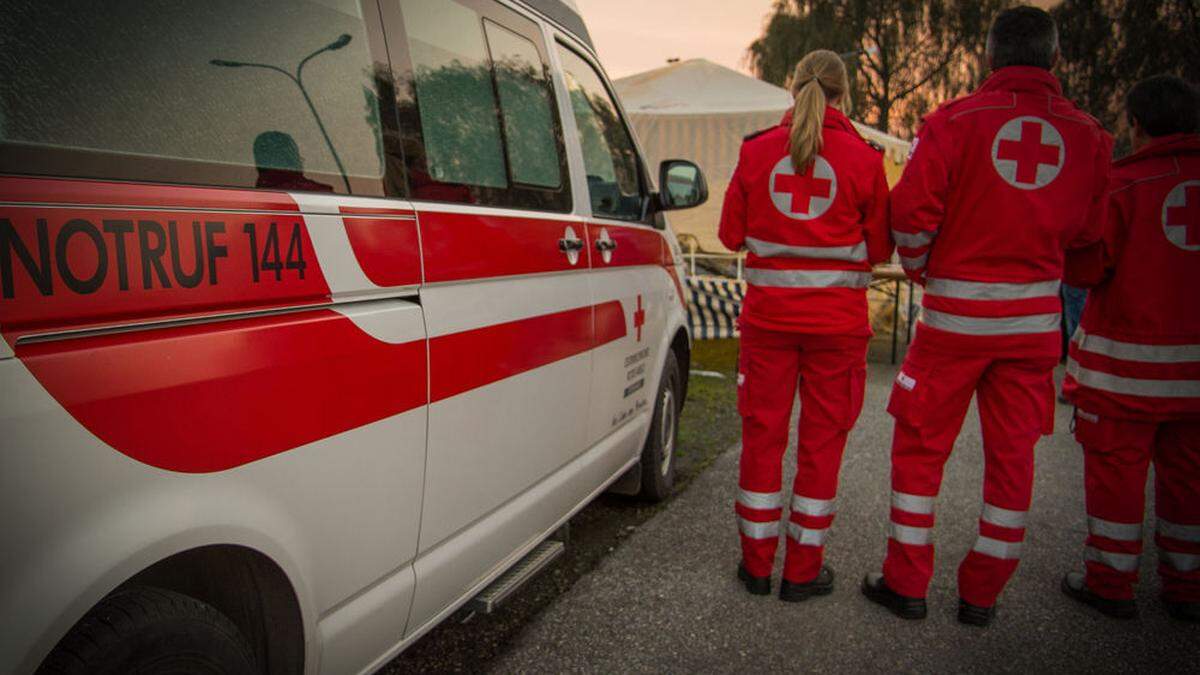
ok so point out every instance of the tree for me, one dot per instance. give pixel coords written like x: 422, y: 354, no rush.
x: 1107, y: 46
x: 908, y: 55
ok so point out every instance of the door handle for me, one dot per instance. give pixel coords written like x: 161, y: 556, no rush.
x: 606, y: 245
x: 568, y: 245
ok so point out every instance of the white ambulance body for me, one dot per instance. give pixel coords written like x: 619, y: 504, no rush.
x: 318, y: 316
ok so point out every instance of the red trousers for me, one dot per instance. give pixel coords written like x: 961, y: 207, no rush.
x: 1117, y: 456
x: 830, y: 372
x: 929, y: 401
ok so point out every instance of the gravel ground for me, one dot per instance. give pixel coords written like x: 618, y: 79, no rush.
x: 667, y: 600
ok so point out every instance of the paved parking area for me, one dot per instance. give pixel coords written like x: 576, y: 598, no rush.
x: 667, y: 600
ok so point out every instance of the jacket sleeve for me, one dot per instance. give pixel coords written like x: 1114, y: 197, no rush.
x: 1090, y: 265
x: 1092, y: 228
x: 918, y: 202
x: 1091, y: 247
x: 732, y: 230
x: 876, y: 229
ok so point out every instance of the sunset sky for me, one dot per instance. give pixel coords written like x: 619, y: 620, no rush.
x: 637, y: 35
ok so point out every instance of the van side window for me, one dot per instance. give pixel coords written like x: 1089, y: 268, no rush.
x: 276, y: 94
x: 609, y: 157
x: 477, y: 114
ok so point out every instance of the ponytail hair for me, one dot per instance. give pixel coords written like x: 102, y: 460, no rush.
x: 819, y: 77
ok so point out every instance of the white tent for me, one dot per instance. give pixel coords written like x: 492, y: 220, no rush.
x: 699, y: 110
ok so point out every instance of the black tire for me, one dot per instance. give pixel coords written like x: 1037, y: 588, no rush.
x: 658, y: 455
x: 152, y: 631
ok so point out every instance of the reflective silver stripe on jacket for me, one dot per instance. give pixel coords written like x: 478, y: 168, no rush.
x: 911, y: 240
x: 1003, y: 517
x: 812, y: 507
x: 1007, y: 325
x: 914, y: 262
x: 760, y: 500
x: 912, y: 503
x: 807, y: 536
x: 1006, y: 550
x: 770, y: 249
x: 755, y: 530
x: 1183, y: 562
x: 907, y: 534
x: 1121, y: 562
x: 1113, y: 530
x: 1189, y: 533
x: 1132, y: 386
x: 807, y: 278
x: 987, y: 290
x: 1131, y: 351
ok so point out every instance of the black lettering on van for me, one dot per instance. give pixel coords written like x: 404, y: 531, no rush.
x: 152, y: 255
x: 118, y: 229
x: 191, y: 279
x: 215, y: 250
x: 63, y: 240
x: 39, y: 271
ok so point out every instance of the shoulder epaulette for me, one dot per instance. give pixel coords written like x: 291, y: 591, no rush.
x: 756, y: 134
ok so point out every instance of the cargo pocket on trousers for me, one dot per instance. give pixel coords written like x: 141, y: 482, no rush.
x: 742, y: 395
x: 856, y: 383
x: 909, y: 395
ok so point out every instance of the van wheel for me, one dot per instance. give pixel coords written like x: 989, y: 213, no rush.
x: 658, y: 457
x: 152, y: 630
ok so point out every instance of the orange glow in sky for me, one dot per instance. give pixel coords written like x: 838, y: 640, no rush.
x: 636, y: 35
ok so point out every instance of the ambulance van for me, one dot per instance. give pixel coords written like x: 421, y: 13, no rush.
x: 320, y: 319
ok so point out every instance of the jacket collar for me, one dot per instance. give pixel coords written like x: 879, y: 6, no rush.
x: 1164, y: 146
x: 834, y: 119
x: 1024, y: 79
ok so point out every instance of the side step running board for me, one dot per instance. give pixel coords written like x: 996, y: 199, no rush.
x: 490, y: 598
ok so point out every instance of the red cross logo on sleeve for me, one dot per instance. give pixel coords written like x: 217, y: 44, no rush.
x: 1028, y: 152
x: 1181, y: 215
x: 803, y: 196
x: 639, y: 318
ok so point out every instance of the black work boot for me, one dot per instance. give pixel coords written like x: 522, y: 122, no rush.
x: 1182, y: 611
x: 974, y: 615
x: 754, y: 585
x: 1073, y: 587
x: 877, y: 591
x: 799, y: 592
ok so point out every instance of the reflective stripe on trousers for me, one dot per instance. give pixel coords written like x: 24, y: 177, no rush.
x: 807, y: 278
x: 769, y: 249
x: 997, y: 548
x: 1003, y: 517
x: 1188, y: 533
x: 1121, y: 562
x: 760, y: 500
x: 807, y: 536
x: 756, y: 530
x: 1113, y: 530
x: 812, y: 507
x: 907, y: 534
x: 912, y: 503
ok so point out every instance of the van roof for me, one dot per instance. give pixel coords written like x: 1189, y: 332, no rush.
x: 566, y: 14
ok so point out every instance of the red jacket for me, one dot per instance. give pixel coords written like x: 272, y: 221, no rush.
x: 999, y: 183
x: 1136, y: 354
x: 813, y: 237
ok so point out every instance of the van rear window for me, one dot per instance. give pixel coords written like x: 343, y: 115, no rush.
x: 273, y: 93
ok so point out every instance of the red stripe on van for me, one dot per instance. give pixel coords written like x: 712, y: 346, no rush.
x: 211, y: 397
x: 471, y: 246
x: 471, y: 359
x: 77, y: 267
x: 112, y: 193
x: 387, y: 249
x: 635, y: 246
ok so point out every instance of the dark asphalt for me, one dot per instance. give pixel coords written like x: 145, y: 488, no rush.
x: 666, y: 600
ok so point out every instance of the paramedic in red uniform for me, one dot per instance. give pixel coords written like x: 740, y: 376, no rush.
x: 808, y: 200
x: 1001, y: 182
x: 1134, y: 368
